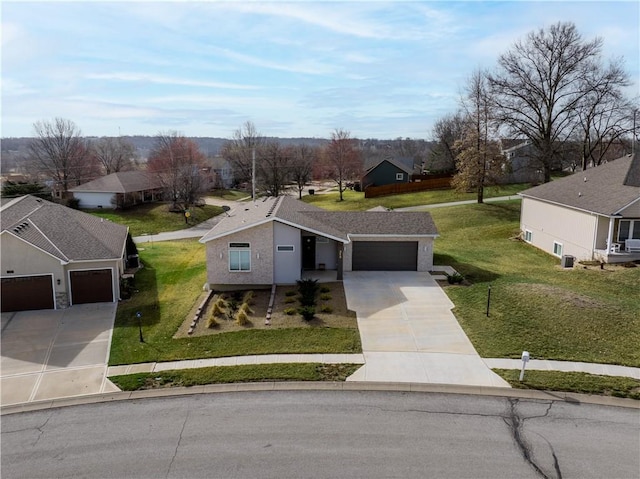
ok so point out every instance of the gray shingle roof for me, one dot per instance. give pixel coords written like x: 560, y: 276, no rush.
x: 605, y: 189
x: 405, y: 164
x: 67, y: 234
x: 121, y: 182
x: 334, y: 224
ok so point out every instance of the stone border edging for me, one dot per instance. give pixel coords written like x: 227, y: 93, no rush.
x: 574, y: 398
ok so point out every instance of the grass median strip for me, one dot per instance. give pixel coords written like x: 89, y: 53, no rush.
x: 583, y: 383
x: 235, y: 374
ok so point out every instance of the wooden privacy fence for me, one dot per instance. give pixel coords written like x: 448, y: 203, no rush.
x: 397, y: 189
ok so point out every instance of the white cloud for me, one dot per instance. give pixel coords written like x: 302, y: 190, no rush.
x: 150, y: 78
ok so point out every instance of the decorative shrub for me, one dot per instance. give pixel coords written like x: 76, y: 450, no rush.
x: 245, y: 308
x: 290, y: 293
x: 248, y: 297
x: 242, y: 318
x: 212, y: 322
x: 455, y: 278
x: 307, y: 312
x: 216, y: 310
x: 325, y: 296
x: 326, y: 309
x: 308, y: 286
x: 325, y: 289
x: 289, y: 311
x: 290, y: 300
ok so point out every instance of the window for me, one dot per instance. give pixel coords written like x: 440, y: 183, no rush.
x: 239, y: 257
x: 528, y: 236
x: 285, y: 248
x: 399, y: 176
x: 557, y: 248
x: 628, y: 229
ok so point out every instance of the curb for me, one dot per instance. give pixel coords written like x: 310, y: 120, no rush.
x: 573, y: 398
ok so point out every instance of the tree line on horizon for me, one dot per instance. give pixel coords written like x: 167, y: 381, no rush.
x: 550, y: 89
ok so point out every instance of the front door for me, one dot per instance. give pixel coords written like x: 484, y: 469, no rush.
x: 308, y: 252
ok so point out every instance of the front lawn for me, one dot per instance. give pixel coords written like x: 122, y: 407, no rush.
x: 169, y: 286
x: 153, y: 218
x: 354, y: 200
x: 581, y: 314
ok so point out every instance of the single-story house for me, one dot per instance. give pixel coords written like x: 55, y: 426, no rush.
x: 590, y: 215
x: 388, y: 171
x: 53, y: 256
x: 119, y: 189
x: 272, y: 240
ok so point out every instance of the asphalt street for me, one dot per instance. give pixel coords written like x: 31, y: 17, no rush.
x: 318, y: 434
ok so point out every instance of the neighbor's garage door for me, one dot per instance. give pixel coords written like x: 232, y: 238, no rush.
x: 92, y: 286
x: 27, y: 292
x: 385, y: 256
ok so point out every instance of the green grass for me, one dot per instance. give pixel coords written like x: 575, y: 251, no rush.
x: 235, y: 374
x: 169, y: 286
x: 588, y: 315
x: 354, y: 200
x: 573, y: 382
x: 153, y: 218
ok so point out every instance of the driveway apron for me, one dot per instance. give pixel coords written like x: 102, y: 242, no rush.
x: 53, y: 354
x: 409, y: 333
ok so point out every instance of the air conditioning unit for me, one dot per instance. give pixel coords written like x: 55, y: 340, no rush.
x: 567, y: 261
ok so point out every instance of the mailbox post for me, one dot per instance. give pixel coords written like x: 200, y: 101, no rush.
x: 525, y: 360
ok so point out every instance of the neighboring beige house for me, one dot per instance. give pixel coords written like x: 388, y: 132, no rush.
x: 590, y: 215
x: 120, y: 189
x: 53, y: 256
x: 273, y: 240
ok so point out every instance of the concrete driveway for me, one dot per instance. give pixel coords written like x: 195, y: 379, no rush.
x: 409, y: 333
x: 55, y: 353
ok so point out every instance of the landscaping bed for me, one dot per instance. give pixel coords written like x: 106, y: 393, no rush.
x: 331, y: 311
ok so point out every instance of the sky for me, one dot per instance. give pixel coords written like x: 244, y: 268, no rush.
x: 295, y: 69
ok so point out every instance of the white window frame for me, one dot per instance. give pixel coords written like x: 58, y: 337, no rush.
x: 528, y: 236
x: 399, y: 176
x: 555, y: 243
x: 235, y: 248
x: 285, y: 248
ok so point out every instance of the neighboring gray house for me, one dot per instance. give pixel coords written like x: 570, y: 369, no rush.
x: 591, y: 215
x: 272, y: 240
x: 53, y: 256
x: 223, y: 172
x: 388, y: 171
x: 119, y: 189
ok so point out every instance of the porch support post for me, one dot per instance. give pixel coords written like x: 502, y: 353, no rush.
x: 340, y: 260
x: 610, y: 234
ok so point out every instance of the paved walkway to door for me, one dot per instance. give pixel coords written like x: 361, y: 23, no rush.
x: 409, y: 333
x: 52, y: 354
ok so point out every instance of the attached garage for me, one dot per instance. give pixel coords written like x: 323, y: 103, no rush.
x: 91, y: 286
x: 23, y: 293
x: 385, y: 256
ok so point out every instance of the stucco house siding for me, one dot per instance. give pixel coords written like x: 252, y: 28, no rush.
x: 327, y: 252
x: 94, y: 200
x: 425, y: 250
x: 575, y: 230
x: 261, y: 242
x: 287, y: 264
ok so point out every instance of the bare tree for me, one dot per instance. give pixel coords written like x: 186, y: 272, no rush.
x: 272, y: 168
x: 60, y: 152
x: 114, y: 154
x: 540, y: 85
x: 445, y: 133
x: 605, y: 116
x: 303, y: 158
x: 178, y: 163
x: 342, y: 160
x: 239, y: 149
x: 478, y: 158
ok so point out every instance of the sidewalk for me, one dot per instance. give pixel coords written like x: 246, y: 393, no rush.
x: 534, y: 364
x: 457, y: 203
